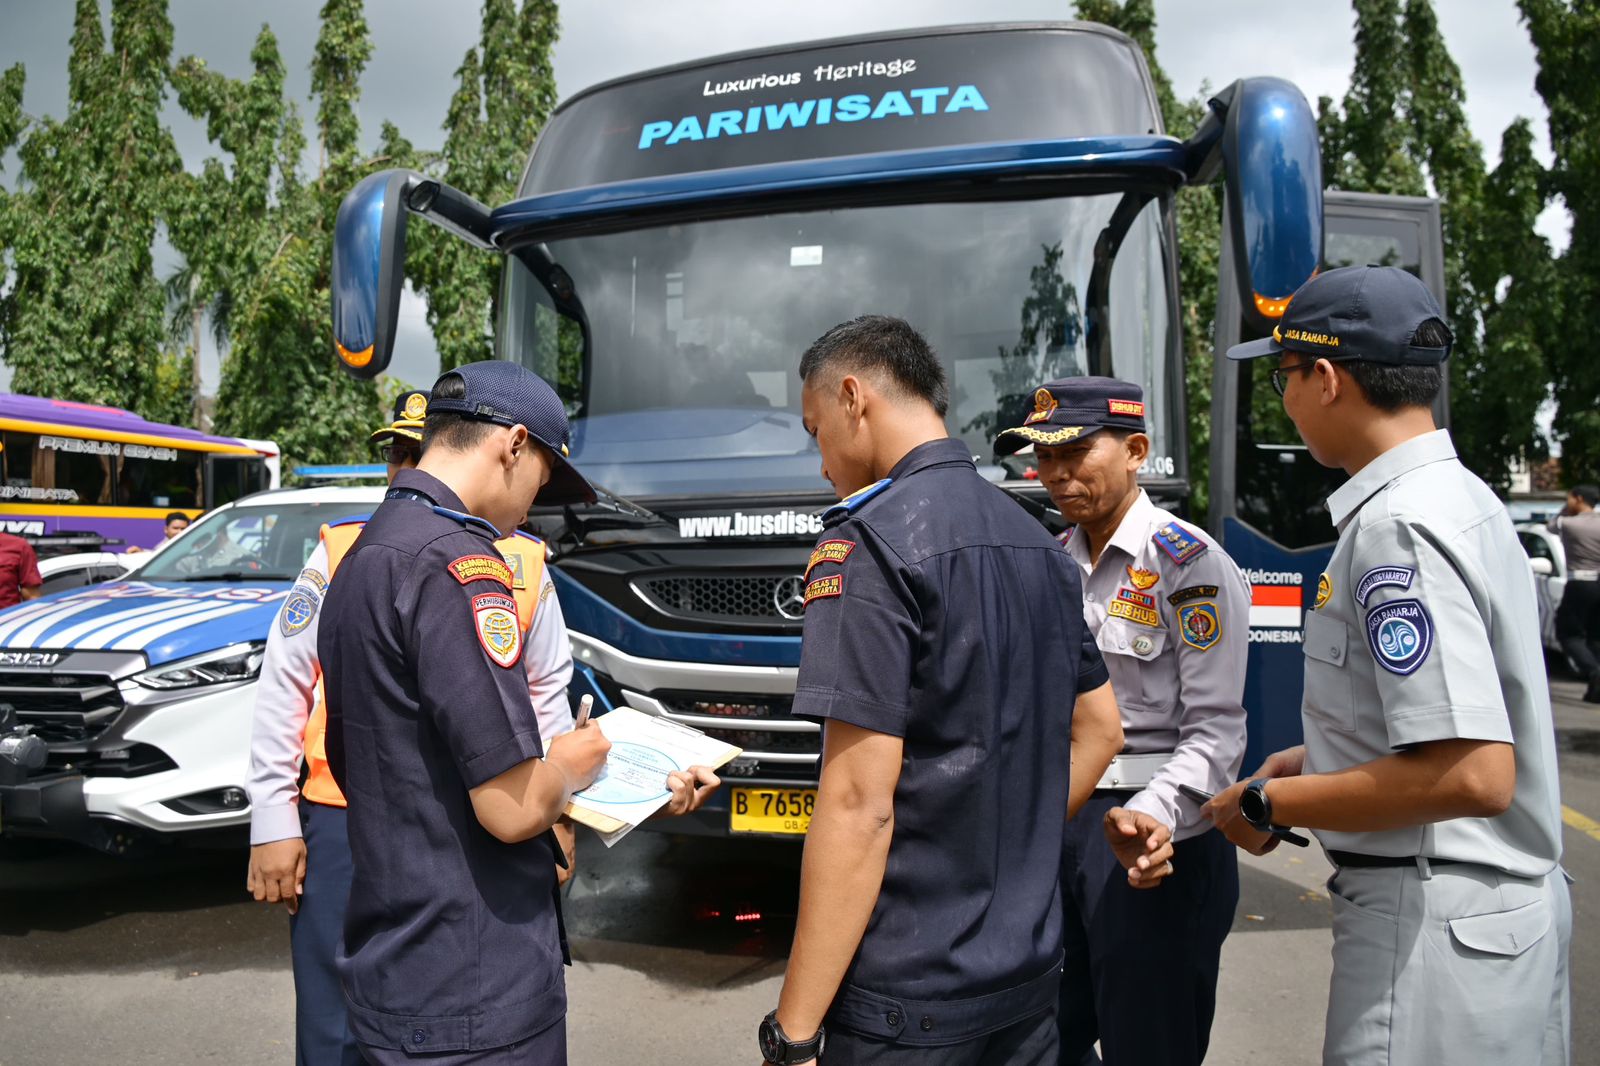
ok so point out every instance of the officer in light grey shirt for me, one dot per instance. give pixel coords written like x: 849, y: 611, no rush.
x: 1578, y: 617
x: 1170, y: 613
x: 1429, y: 768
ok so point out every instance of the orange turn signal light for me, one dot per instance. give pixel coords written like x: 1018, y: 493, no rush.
x: 1272, y: 308
x: 364, y: 356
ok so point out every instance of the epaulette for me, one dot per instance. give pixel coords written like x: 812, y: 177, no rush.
x: 355, y: 519
x: 852, y: 503
x: 526, y: 534
x: 468, y: 520
x: 1183, y: 546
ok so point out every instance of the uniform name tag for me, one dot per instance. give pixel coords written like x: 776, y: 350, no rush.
x: 470, y: 568
x: 823, y: 587
x: 830, y: 551
x: 495, y: 617
x: 1126, y: 407
x: 1144, y: 616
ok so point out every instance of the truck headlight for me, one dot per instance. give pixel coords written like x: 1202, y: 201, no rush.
x: 236, y: 662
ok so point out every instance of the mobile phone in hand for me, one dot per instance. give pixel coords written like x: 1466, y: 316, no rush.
x: 1202, y: 797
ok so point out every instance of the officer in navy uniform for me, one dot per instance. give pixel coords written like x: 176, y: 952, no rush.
x: 1168, y: 609
x: 453, y: 946
x: 946, y: 655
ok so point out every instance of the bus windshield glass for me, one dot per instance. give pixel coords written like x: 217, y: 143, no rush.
x: 690, y: 384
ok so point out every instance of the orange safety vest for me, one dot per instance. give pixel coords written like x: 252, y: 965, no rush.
x: 524, y: 554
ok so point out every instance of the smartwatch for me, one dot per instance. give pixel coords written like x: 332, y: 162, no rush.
x: 778, y: 1049
x: 1255, y: 806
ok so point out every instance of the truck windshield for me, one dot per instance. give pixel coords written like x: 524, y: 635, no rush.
x: 690, y: 387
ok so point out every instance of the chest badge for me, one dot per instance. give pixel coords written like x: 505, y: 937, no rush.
x: 1143, y: 645
x: 1200, y: 625
x: 495, y: 616
x: 1324, y: 591
x: 1141, y: 578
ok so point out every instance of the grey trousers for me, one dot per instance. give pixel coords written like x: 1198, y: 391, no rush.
x: 1457, y: 964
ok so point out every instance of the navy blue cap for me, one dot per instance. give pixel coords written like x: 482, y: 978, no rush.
x: 509, y: 394
x: 1073, y: 408
x: 410, y: 409
x: 1370, y: 313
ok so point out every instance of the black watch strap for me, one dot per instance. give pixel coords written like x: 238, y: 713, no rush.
x: 779, y: 1050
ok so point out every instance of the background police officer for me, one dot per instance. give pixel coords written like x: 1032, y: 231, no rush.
x: 946, y: 654
x: 452, y: 945
x: 300, y: 853
x: 1429, y: 768
x: 1168, y: 609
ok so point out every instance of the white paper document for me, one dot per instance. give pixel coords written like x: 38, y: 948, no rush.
x: 633, y: 785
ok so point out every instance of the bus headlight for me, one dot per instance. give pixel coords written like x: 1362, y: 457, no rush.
x: 236, y: 662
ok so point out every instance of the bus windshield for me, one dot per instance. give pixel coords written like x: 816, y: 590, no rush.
x: 690, y: 388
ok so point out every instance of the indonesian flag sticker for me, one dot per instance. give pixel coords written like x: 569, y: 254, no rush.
x: 495, y: 617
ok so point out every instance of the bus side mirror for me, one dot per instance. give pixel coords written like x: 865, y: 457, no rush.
x: 1273, y: 161
x: 369, y: 256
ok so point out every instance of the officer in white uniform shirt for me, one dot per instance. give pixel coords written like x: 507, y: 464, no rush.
x: 1170, y: 613
x: 1429, y: 768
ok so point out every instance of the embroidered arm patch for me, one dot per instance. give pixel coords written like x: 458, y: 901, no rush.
x: 824, y: 587
x: 1378, y: 577
x: 470, y: 568
x: 1200, y: 624
x: 1400, y: 634
x: 495, y: 617
x: 830, y: 551
x: 1193, y: 592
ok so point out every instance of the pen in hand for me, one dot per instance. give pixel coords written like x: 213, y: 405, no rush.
x: 585, y: 705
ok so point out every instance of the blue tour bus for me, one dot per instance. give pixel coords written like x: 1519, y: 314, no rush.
x: 682, y: 235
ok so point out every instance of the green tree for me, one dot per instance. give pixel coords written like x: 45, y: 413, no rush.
x: 1566, y: 39
x: 280, y: 378
x: 84, y: 316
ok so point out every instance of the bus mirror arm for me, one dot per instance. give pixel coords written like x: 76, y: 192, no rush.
x: 452, y: 211
x: 1202, y: 152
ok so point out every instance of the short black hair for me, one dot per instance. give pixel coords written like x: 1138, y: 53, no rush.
x: 1589, y: 494
x: 173, y: 517
x: 1389, y: 387
x: 884, y: 344
x: 455, y: 431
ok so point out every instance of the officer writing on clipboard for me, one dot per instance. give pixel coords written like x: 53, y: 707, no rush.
x: 453, y: 946
x: 946, y: 655
x: 1169, y: 612
x: 1429, y: 767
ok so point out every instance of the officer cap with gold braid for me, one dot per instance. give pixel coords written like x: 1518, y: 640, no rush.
x: 410, y: 409
x: 1073, y: 408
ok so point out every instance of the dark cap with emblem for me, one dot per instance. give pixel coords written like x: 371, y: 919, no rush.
x: 1366, y: 313
x: 1073, y: 408
x: 509, y: 394
x: 410, y: 408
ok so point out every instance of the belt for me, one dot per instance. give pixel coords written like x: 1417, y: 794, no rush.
x: 1130, y: 773
x: 1358, y: 861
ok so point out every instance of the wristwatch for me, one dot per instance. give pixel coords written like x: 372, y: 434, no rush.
x: 1255, y: 806
x: 778, y: 1049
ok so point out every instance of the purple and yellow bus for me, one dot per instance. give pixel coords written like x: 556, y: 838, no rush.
x: 80, y: 477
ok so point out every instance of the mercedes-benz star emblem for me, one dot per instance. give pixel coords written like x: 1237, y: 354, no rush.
x: 789, y: 597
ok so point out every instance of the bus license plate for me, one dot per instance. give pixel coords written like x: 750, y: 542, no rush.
x: 771, y: 810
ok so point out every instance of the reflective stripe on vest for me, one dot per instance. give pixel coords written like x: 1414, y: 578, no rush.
x: 526, y: 558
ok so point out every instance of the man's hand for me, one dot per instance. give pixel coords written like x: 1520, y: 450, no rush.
x: 1290, y: 762
x: 580, y: 755
x: 1223, y: 810
x: 1142, y: 845
x: 690, y: 790
x: 567, y: 837
x: 278, y: 872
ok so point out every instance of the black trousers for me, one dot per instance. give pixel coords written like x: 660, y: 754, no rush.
x: 1141, y: 969
x: 1578, y: 626
x: 321, y: 1025
x: 1030, y: 1042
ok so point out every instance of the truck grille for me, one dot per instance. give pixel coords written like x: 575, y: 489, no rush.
x: 742, y: 598
x: 62, y: 708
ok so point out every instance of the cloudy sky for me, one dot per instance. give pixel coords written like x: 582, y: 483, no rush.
x: 419, y: 43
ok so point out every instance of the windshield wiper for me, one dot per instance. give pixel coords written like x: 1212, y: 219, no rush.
x: 232, y: 575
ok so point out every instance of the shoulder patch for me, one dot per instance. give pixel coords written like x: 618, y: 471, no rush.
x: 519, y: 572
x: 1200, y: 624
x: 312, y: 579
x: 1193, y: 592
x: 830, y: 551
x: 1400, y: 634
x: 468, y: 520
x: 298, y: 611
x: 1181, y: 545
x: 470, y: 568
x: 1378, y: 577
x: 852, y: 503
x: 494, y: 614
x: 824, y: 587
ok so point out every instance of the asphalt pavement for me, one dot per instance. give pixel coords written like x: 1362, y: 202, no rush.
x: 679, y: 947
